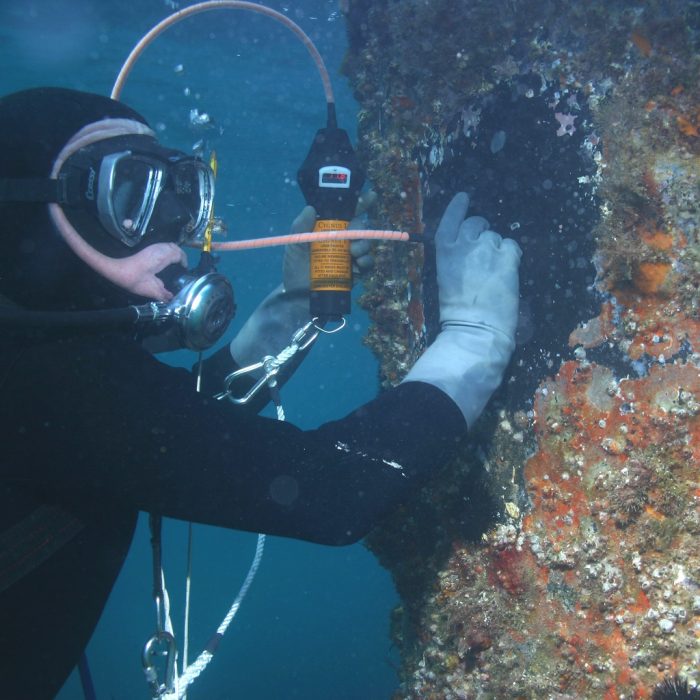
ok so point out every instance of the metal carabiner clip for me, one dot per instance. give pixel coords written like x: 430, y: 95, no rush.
x: 160, y: 644
x: 271, y: 367
x: 299, y: 340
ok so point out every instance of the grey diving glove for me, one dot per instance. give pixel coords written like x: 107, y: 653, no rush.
x: 270, y: 327
x: 477, y: 274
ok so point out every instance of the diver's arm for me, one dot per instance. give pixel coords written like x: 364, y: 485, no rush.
x: 140, y: 437
x: 331, y: 485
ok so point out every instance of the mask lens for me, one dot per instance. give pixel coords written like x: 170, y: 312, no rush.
x: 193, y: 184
x: 141, y: 194
x: 134, y: 189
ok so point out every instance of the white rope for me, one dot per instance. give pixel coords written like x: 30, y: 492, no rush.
x: 188, y: 591
x: 286, y: 354
x: 259, y: 547
x: 193, y: 671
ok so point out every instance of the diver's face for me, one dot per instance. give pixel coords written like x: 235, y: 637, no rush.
x: 136, y: 273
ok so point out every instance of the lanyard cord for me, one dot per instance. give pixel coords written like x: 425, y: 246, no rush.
x: 162, y: 643
x: 193, y: 671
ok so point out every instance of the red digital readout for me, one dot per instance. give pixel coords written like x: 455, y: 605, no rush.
x: 341, y: 178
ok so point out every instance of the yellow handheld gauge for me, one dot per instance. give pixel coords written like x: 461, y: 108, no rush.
x: 331, y: 179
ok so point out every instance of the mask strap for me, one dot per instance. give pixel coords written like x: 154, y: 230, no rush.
x: 99, y: 131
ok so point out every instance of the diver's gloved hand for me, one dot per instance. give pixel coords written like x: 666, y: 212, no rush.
x: 477, y: 273
x: 270, y: 328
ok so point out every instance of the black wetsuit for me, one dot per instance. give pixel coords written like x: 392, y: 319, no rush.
x: 97, y: 429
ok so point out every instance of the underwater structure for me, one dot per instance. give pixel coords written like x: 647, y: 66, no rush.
x: 558, y: 557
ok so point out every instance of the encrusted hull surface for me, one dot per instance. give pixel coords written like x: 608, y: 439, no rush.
x: 559, y: 556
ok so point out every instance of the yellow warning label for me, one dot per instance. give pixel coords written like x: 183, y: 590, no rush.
x: 331, y: 266
x: 331, y: 262
x: 331, y: 225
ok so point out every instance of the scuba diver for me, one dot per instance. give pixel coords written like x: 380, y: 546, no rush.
x: 93, y: 210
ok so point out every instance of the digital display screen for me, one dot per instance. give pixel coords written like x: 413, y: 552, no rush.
x: 334, y: 178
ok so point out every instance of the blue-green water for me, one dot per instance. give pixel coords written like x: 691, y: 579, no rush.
x: 315, y: 623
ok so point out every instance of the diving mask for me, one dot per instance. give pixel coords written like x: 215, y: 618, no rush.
x: 140, y: 190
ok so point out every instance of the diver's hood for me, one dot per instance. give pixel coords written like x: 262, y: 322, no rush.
x: 38, y: 270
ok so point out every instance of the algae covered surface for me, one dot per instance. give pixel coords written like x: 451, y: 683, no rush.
x: 558, y: 557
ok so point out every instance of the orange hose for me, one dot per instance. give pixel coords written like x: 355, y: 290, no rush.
x: 221, y: 5
x: 176, y: 17
x: 292, y: 238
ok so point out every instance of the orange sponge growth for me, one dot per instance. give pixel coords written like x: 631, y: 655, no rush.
x: 651, y: 277
x: 659, y: 240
